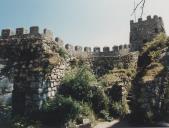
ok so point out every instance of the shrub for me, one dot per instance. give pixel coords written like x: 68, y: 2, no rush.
x: 80, y: 83
x: 86, y: 112
x: 118, y: 109
x: 59, y: 111
x: 77, y: 84
x: 99, y: 100
x: 22, y: 122
x: 63, y: 53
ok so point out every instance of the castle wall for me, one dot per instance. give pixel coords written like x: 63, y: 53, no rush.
x: 97, y: 52
x: 24, y: 33
x: 27, y: 54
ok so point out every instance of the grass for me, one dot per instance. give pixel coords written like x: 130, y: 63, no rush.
x: 152, y: 71
x: 55, y: 59
x: 117, y: 75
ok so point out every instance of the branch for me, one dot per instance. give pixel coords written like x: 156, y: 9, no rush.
x: 142, y: 3
x: 142, y: 7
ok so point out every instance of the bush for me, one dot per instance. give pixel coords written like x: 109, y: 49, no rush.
x: 86, y: 112
x: 77, y: 84
x: 59, y: 111
x: 22, y: 122
x: 99, y: 100
x: 63, y: 53
x: 80, y: 83
x: 118, y: 109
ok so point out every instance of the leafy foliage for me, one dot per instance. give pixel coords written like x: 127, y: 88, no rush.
x: 22, y: 122
x: 59, y: 111
x: 63, y: 53
x: 118, y: 109
x: 79, y: 83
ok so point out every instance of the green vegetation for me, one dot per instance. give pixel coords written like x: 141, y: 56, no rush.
x: 63, y: 53
x: 150, y: 85
x: 65, y: 111
x: 114, y: 83
x: 22, y: 122
x: 117, y: 75
x: 60, y: 111
x: 152, y: 50
x: 119, y: 109
x: 81, y: 85
x: 152, y: 71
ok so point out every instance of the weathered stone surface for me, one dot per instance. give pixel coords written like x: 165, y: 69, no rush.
x: 144, y: 31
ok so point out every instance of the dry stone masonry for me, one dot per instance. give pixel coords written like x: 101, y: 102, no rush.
x: 33, y: 63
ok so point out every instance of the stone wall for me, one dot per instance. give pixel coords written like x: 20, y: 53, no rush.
x: 96, y: 51
x: 103, y: 64
x: 33, y: 63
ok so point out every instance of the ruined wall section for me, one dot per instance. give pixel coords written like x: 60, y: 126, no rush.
x: 33, y: 62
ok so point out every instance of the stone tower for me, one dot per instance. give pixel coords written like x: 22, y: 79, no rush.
x: 144, y: 31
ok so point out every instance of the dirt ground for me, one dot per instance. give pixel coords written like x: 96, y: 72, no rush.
x: 112, y: 124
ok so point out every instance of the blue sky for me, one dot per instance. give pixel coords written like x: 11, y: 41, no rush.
x: 79, y: 22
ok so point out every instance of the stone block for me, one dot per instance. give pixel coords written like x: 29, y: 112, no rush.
x: 106, y: 49
x: 148, y: 17
x: 69, y: 47
x: 87, y: 49
x: 6, y: 33
x: 115, y: 48
x: 59, y: 41
x: 140, y: 20
x: 34, y: 30
x: 78, y: 48
x: 21, y: 31
x: 96, y: 49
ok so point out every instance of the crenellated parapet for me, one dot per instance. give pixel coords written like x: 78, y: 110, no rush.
x: 149, y: 19
x: 98, y: 51
x: 34, y: 32
x: 22, y: 32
